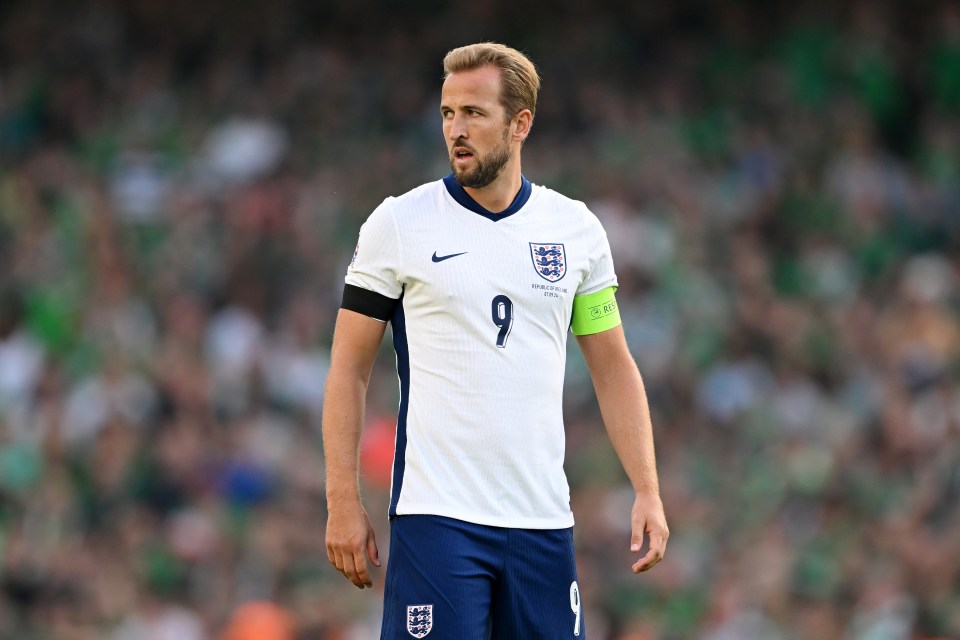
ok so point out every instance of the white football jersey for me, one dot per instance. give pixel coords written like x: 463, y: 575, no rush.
x: 480, y: 331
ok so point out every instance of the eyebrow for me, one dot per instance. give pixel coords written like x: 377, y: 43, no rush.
x: 465, y: 107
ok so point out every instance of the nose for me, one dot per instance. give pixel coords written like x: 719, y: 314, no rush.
x: 457, y: 127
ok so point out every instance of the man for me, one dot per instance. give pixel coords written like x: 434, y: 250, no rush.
x: 481, y: 274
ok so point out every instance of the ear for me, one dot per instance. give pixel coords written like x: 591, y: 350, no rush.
x: 521, y: 125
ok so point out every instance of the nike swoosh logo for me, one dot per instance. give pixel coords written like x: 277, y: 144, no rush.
x: 437, y: 258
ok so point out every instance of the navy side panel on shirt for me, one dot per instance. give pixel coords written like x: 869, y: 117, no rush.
x: 399, y: 327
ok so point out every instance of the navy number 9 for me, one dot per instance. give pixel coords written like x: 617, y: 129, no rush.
x: 502, y: 310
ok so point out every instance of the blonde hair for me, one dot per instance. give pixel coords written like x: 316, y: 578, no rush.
x: 519, y: 80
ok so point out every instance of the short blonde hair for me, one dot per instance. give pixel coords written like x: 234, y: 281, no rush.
x: 520, y: 82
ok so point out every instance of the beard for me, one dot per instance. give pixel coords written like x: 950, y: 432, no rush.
x: 487, y: 168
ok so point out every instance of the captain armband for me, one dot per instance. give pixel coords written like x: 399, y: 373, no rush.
x: 595, y: 312
x: 369, y: 303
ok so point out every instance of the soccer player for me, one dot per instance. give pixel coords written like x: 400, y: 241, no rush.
x: 481, y: 275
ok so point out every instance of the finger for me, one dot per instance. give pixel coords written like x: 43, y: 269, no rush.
x: 360, y: 556
x: 361, y: 569
x: 636, y: 533
x: 636, y: 538
x: 654, y: 555
x: 341, y: 564
x: 372, y: 551
x: 350, y: 571
x: 648, y: 561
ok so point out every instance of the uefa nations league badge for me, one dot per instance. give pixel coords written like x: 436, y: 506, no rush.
x: 549, y: 260
x: 419, y: 620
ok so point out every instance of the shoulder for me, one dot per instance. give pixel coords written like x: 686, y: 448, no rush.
x: 395, y: 208
x: 568, y: 209
x: 417, y: 198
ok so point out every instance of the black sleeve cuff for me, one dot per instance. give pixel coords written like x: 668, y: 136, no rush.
x: 369, y: 303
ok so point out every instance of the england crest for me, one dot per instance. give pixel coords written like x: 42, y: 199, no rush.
x: 419, y: 620
x: 549, y: 259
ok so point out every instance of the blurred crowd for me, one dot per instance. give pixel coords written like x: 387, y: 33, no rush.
x: 181, y: 185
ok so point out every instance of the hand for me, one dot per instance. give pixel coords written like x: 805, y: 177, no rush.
x: 648, y: 518
x: 350, y: 542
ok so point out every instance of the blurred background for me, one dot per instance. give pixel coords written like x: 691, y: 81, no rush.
x: 181, y: 187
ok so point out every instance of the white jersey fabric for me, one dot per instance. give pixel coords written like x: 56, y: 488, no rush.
x: 480, y: 334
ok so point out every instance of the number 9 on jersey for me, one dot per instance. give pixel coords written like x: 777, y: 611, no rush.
x: 502, y: 310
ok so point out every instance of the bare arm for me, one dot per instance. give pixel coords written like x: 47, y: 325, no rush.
x: 350, y: 538
x: 623, y: 404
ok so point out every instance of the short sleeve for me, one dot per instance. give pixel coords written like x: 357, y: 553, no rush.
x: 601, y: 274
x: 376, y: 263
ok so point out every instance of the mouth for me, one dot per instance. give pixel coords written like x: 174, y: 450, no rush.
x: 462, y: 154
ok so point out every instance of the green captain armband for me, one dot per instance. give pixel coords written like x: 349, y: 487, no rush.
x: 595, y: 312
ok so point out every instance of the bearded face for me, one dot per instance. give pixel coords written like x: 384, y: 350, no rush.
x: 471, y: 169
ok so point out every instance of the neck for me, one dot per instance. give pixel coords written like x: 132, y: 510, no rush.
x: 499, y: 194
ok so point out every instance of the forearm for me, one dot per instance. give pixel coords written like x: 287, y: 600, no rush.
x: 343, y: 416
x: 626, y: 415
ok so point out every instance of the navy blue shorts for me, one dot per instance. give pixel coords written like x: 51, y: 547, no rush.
x: 453, y: 580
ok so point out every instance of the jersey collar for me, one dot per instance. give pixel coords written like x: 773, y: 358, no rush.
x: 464, y: 200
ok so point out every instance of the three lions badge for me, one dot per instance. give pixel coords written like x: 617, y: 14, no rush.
x: 419, y: 620
x: 549, y: 260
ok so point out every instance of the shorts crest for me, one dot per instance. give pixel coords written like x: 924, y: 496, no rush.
x: 419, y: 620
x: 549, y: 259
